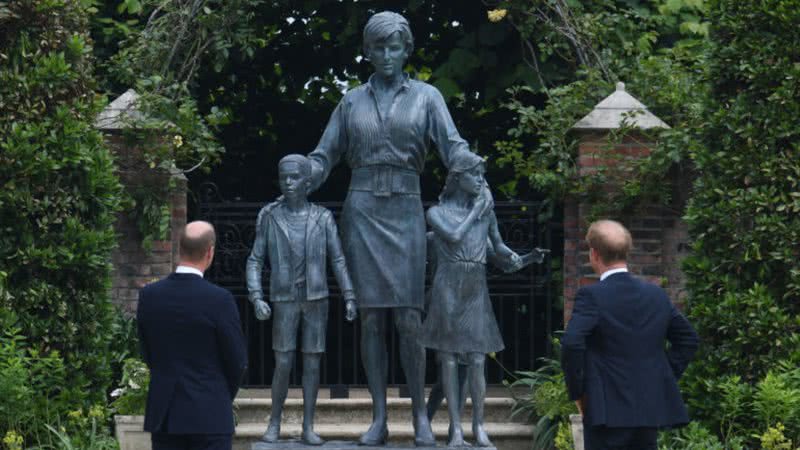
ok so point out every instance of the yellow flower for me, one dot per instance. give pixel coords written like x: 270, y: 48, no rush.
x: 496, y: 15
x: 97, y: 412
x: 77, y: 414
x: 13, y: 440
x: 177, y: 140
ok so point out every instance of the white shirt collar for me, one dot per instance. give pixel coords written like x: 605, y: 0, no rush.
x: 187, y: 269
x: 608, y: 273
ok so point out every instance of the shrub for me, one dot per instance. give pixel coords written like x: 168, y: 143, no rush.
x: 544, y: 399
x: 58, y: 198
x: 131, y: 395
x: 743, y: 217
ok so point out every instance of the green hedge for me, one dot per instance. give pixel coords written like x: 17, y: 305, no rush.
x: 744, y: 214
x: 58, y: 198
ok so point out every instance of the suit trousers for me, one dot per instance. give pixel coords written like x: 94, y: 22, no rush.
x: 166, y: 441
x: 619, y: 438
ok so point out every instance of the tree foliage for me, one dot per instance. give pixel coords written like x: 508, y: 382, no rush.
x: 579, y: 50
x: 58, y: 197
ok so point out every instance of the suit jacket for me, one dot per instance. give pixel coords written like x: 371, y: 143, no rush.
x: 272, y: 241
x: 192, y: 340
x: 614, y: 354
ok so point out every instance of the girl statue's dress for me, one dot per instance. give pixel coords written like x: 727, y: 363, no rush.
x: 461, y: 318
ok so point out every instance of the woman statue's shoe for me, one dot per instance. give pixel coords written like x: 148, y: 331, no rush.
x: 311, y: 438
x: 423, y: 435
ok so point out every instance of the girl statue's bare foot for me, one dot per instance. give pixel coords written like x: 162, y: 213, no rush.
x: 481, y: 438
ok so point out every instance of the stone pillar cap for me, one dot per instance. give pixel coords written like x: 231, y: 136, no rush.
x: 617, y: 109
x: 120, y: 113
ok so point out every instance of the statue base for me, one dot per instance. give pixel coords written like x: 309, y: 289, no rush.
x: 296, y: 444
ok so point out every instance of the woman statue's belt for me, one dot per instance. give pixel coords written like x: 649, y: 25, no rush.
x: 383, y: 180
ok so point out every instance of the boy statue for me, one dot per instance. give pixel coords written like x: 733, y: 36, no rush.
x: 295, y: 236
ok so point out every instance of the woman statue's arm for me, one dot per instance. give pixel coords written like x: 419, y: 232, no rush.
x: 330, y: 148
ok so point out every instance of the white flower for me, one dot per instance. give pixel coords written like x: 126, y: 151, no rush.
x: 117, y: 392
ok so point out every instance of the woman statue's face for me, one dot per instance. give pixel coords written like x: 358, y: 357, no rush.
x: 389, y: 56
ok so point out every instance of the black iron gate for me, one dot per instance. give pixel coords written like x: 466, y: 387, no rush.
x: 523, y: 301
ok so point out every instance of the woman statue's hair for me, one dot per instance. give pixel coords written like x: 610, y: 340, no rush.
x: 382, y: 25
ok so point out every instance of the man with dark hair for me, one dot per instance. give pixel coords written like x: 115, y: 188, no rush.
x: 192, y: 341
x: 613, y: 350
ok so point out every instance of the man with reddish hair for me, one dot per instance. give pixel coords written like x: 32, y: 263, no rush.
x: 613, y: 350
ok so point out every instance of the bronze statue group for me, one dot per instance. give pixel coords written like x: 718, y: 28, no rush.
x: 383, y: 131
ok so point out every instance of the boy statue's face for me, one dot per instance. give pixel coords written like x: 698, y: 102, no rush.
x: 293, y: 182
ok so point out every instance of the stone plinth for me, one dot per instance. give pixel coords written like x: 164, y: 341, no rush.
x: 348, y: 445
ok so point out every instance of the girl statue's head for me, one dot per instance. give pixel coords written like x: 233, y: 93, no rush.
x: 466, y: 174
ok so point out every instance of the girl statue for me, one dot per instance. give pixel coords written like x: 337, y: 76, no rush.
x: 461, y: 322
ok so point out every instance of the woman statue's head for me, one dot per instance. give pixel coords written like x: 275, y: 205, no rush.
x: 388, y: 42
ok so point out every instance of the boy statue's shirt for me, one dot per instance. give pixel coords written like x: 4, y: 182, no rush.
x: 297, y: 242
x: 276, y: 242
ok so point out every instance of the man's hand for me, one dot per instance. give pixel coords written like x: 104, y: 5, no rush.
x: 350, y: 310
x: 580, y: 403
x: 263, y: 311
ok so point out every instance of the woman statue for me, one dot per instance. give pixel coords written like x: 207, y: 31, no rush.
x: 383, y: 129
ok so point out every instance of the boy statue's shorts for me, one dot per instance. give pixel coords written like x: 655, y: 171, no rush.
x: 286, y: 318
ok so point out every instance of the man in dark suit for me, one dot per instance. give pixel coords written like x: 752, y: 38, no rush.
x: 192, y: 340
x: 616, y: 365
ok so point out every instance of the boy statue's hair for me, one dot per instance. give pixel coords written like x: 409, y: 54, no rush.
x: 302, y: 161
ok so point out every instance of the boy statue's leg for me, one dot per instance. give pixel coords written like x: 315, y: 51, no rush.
x: 314, y: 322
x: 311, y: 369
x: 280, y: 388
x: 477, y: 382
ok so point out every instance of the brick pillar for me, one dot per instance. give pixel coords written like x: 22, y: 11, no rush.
x: 133, y: 266
x: 659, y: 234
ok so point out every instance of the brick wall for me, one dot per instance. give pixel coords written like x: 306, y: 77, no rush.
x: 133, y: 266
x: 659, y: 234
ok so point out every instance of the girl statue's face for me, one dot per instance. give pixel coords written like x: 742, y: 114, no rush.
x: 471, y: 181
x: 389, y: 56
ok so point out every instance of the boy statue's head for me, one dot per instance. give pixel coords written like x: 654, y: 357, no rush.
x: 294, y: 176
